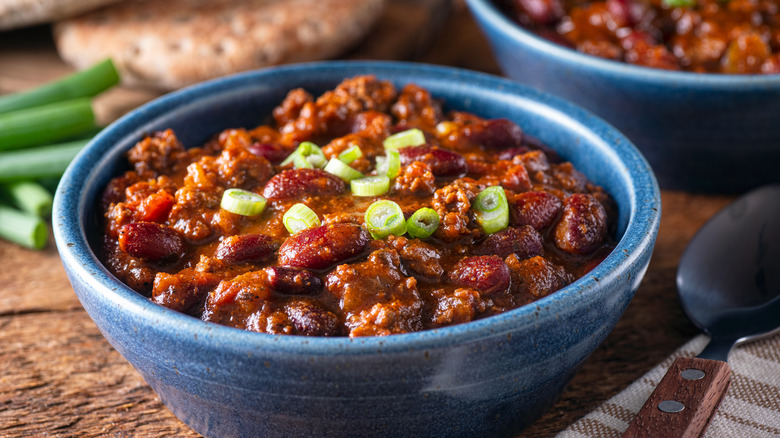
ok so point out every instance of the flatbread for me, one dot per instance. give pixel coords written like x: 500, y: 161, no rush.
x: 168, y: 44
x: 21, y: 13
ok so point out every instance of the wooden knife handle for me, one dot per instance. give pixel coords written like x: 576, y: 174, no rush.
x: 698, y: 392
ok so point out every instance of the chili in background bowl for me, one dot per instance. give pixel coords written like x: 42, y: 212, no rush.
x: 487, y: 377
x: 703, y: 132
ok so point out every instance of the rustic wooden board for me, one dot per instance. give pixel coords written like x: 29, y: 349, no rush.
x: 61, y: 378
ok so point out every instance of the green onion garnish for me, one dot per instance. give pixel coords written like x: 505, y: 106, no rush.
x: 86, y: 83
x: 300, y: 217
x: 23, y: 228
x: 29, y: 196
x: 410, y: 137
x: 679, y: 3
x: 38, y: 162
x: 370, y: 186
x: 243, y: 202
x: 384, y: 218
x: 45, y: 124
x: 308, y: 155
x: 422, y: 223
x: 492, y: 209
x: 350, y: 154
x: 342, y: 170
x: 389, y: 165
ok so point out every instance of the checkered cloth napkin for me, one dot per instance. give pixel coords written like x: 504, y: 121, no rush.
x: 750, y: 409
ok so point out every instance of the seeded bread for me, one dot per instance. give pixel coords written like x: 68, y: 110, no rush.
x: 21, y: 13
x: 168, y: 44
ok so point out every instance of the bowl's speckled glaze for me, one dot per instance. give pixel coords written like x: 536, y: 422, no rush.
x: 485, y: 378
x: 700, y: 132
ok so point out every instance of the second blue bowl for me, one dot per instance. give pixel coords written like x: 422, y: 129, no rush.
x: 700, y: 132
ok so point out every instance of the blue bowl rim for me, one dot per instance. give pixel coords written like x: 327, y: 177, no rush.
x: 76, y: 254
x: 677, y: 79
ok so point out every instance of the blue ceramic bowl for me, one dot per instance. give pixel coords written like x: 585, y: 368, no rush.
x: 700, y: 132
x: 485, y: 378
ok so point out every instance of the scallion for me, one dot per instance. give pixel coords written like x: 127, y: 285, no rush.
x: 243, y: 202
x: 308, y: 155
x: 410, y: 137
x: 23, y: 228
x: 351, y: 154
x: 422, y: 223
x: 45, y: 124
x: 370, y: 186
x: 384, y: 218
x: 38, y: 162
x: 29, y: 196
x: 679, y: 3
x: 342, y: 170
x: 300, y: 217
x: 492, y: 209
x: 86, y: 83
x: 389, y: 165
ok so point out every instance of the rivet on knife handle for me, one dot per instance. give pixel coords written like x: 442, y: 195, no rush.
x: 685, y: 401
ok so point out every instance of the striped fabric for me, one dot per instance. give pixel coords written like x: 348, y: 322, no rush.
x: 750, y: 409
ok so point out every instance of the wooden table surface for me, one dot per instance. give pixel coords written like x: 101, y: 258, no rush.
x: 60, y: 377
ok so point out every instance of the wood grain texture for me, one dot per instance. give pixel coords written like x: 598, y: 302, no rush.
x: 61, y: 378
x: 699, y: 398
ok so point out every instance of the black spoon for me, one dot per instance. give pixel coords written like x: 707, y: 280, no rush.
x: 728, y: 281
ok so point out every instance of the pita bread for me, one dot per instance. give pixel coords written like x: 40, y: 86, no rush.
x: 168, y: 44
x: 20, y: 13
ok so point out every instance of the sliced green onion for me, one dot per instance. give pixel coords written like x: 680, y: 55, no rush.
x: 350, y: 154
x: 29, y: 196
x: 679, y: 3
x: 410, y: 137
x: 38, y: 162
x: 23, y: 228
x: 423, y: 223
x: 492, y: 209
x: 300, y: 217
x: 243, y: 202
x: 341, y: 170
x: 301, y: 162
x: 370, y: 186
x: 45, y: 124
x: 308, y: 155
x: 389, y: 165
x: 384, y: 218
x: 86, y: 83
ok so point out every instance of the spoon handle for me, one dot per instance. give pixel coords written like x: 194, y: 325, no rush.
x: 685, y: 401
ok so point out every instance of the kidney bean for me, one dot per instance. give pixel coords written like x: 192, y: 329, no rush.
x: 627, y: 13
x: 312, y: 320
x: 443, y: 162
x: 534, y: 143
x: 583, y: 226
x: 494, y: 134
x: 321, y: 247
x: 508, y: 154
x: 488, y: 274
x: 523, y: 241
x: 272, y: 152
x: 293, y: 281
x: 247, y: 248
x: 542, y: 12
x: 297, y: 182
x: 537, y: 209
x: 150, y: 241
